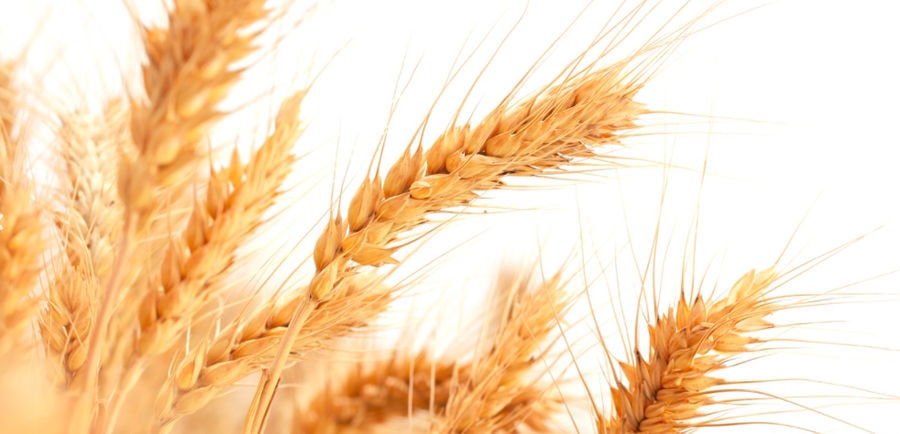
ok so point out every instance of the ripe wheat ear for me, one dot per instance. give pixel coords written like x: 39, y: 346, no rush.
x: 501, y: 387
x: 677, y: 373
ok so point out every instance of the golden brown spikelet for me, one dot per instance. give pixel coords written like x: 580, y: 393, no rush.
x: 667, y: 389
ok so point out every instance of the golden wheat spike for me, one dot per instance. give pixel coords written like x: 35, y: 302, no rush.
x: 191, y: 69
x: 665, y: 390
x: 21, y: 240
x: 501, y: 389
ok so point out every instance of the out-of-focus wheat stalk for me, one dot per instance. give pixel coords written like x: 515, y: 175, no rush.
x: 503, y: 388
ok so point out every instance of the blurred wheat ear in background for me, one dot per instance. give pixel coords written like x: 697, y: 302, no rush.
x: 176, y: 257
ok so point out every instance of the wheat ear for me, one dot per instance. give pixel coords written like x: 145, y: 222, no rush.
x: 540, y: 135
x: 90, y: 226
x: 497, y: 391
x: 237, y: 196
x: 373, y: 393
x: 664, y: 390
x: 21, y: 239
x: 245, y: 346
x: 191, y: 67
x: 501, y: 392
